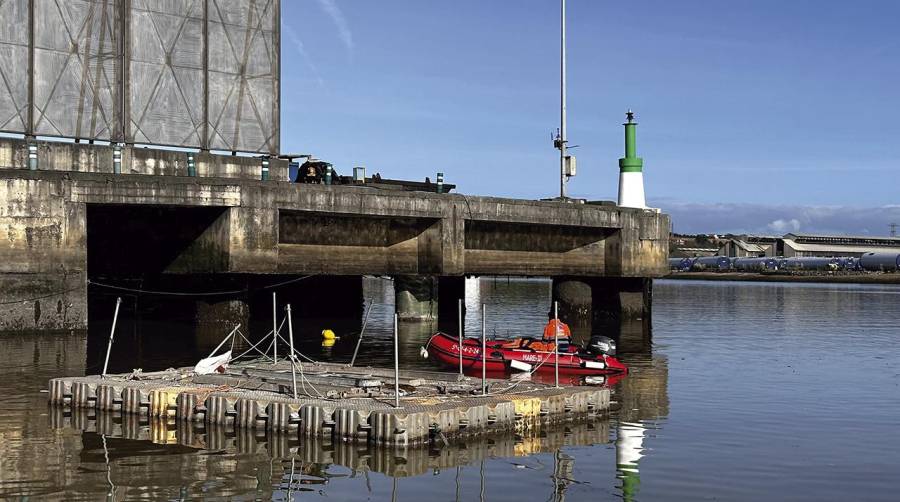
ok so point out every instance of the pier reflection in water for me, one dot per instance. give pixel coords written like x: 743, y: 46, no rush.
x: 743, y: 383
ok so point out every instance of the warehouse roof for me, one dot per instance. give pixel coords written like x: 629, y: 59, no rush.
x: 839, y: 248
x: 845, y: 239
x: 750, y: 247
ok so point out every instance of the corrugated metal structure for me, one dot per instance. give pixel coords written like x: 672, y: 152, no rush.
x: 77, y: 67
x: 190, y: 73
x: 14, y: 65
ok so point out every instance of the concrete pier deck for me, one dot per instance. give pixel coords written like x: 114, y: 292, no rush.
x: 334, y: 401
x: 77, y: 220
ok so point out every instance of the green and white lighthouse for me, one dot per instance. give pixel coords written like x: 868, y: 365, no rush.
x: 631, y: 167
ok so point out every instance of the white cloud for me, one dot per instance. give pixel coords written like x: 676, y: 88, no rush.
x: 761, y: 219
x: 301, y: 48
x: 334, y: 12
x: 784, y: 226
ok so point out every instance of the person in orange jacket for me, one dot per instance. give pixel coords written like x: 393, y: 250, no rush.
x: 548, y: 342
x: 551, y: 328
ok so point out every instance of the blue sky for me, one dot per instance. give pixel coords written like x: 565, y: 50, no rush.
x: 777, y: 110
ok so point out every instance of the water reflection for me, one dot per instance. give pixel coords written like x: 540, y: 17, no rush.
x: 146, y: 436
x: 89, y: 455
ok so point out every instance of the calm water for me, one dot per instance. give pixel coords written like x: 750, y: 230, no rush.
x: 749, y: 392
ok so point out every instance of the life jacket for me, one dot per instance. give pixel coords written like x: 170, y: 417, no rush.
x: 542, y: 346
x: 518, y: 343
x: 551, y: 327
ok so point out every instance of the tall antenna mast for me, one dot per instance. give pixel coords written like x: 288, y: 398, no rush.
x: 562, y: 102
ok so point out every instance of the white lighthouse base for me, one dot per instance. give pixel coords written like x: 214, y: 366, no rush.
x: 631, y: 190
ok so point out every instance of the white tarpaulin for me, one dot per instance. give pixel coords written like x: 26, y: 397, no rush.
x: 214, y: 364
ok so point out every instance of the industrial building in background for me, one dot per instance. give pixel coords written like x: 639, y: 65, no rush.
x: 200, y: 74
x: 792, y: 245
x: 807, y: 246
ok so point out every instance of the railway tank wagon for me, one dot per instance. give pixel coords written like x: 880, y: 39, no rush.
x: 880, y: 262
x: 681, y: 264
x: 754, y: 264
x: 811, y: 263
x: 720, y: 263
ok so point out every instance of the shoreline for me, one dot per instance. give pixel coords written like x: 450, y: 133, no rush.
x: 871, y: 278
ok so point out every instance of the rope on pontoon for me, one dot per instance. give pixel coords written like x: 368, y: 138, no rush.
x: 183, y: 293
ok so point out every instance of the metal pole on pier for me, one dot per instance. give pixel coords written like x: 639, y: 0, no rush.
x: 224, y: 340
x: 275, y: 325
x: 293, y: 359
x: 562, y: 103
x: 112, y: 333
x: 556, y: 340
x: 396, y: 365
x: 361, y: 333
x: 483, y: 350
x: 460, y: 336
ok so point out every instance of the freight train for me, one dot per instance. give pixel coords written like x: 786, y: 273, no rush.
x: 869, y: 262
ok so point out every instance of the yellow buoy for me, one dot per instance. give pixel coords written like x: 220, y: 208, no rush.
x: 328, y: 342
x: 328, y: 335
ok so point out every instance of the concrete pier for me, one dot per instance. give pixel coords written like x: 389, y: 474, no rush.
x: 340, y: 403
x: 416, y: 297
x: 75, y: 218
x: 574, y: 299
x: 450, y: 291
x: 600, y: 305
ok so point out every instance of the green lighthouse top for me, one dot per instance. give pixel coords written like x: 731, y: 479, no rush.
x: 631, y: 163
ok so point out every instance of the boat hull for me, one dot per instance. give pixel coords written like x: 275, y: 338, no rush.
x: 446, y: 349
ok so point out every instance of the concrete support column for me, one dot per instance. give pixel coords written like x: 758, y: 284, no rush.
x: 416, y: 297
x: 43, y: 257
x: 575, y: 300
x: 215, y: 319
x: 450, y: 291
x: 622, y: 310
x: 603, y: 305
x: 253, y: 240
x: 622, y: 297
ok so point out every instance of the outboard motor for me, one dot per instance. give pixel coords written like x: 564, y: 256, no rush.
x: 602, y: 345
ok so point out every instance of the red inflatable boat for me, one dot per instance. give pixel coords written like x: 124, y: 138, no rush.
x: 519, y: 355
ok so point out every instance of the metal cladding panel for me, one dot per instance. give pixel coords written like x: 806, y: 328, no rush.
x: 77, y: 63
x: 205, y: 74
x: 165, y: 83
x: 189, y: 73
x: 14, y: 65
x: 243, y: 75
